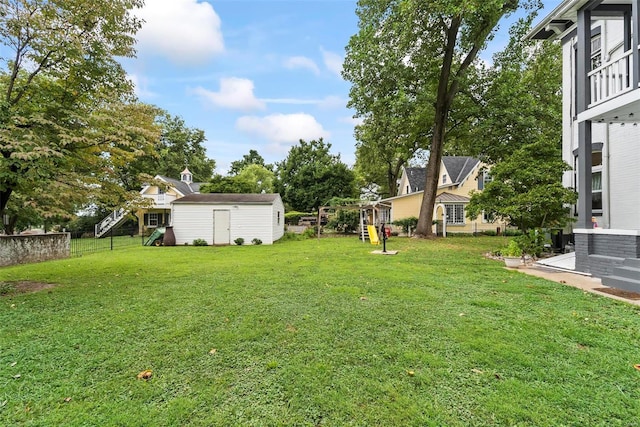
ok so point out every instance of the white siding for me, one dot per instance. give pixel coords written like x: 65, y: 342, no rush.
x: 192, y: 221
x: 278, y: 219
x: 624, y: 176
x: 195, y: 221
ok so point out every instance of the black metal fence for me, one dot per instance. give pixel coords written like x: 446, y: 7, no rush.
x: 121, y: 237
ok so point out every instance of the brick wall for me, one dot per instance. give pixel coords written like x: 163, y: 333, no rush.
x: 33, y: 248
x: 599, y: 254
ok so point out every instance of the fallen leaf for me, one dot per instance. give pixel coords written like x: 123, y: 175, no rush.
x: 213, y: 351
x: 145, y: 375
x: 498, y: 377
x: 411, y: 373
x: 13, y: 364
x: 461, y: 314
x: 563, y: 281
x: 67, y: 399
x: 477, y: 371
x: 637, y: 366
x: 17, y: 376
x: 363, y: 298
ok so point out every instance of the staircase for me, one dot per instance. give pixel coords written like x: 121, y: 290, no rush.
x: 364, y: 233
x: 114, y: 219
x: 626, y: 277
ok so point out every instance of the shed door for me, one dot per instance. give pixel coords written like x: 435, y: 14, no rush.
x: 221, y: 232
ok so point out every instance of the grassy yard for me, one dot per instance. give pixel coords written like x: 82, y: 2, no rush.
x: 312, y: 333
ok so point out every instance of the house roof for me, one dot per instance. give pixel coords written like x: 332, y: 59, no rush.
x: 229, y: 198
x: 416, y: 177
x: 451, y: 198
x: 183, y: 187
x: 557, y: 21
x: 459, y: 167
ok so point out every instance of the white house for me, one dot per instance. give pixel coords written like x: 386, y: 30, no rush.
x: 601, y: 136
x: 220, y: 219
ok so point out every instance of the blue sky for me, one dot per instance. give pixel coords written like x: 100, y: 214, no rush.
x: 253, y: 74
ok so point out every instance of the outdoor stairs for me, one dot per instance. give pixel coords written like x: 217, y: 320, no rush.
x: 115, y: 219
x: 626, y: 276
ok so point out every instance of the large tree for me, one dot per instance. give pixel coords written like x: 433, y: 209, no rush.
x: 253, y: 158
x: 437, y: 40
x: 67, y: 112
x: 310, y: 176
x: 179, y: 146
x: 253, y: 178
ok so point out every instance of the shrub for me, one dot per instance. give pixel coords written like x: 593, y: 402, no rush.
x: 293, y: 217
x: 288, y: 236
x: 200, y: 242
x: 513, y: 249
x: 533, y: 242
x: 309, y: 233
x: 239, y: 241
x: 256, y: 241
x: 407, y: 223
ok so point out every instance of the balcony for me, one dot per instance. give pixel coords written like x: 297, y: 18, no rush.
x: 613, y: 97
x: 161, y: 201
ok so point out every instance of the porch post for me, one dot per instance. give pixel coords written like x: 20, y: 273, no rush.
x: 583, y: 62
x: 635, y: 41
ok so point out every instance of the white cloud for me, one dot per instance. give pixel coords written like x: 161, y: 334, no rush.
x: 350, y: 120
x: 283, y: 128
x: 327, y: 103
x: 141, y: 86
x: 332, y: 61
x: 302, y: 62
x: 185, y: 31
x: 235, y: 93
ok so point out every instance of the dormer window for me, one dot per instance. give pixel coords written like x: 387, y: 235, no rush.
x: 186, y: 176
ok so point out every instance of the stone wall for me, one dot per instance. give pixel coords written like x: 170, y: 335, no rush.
x: 33, y: 248
x: 599, y: 254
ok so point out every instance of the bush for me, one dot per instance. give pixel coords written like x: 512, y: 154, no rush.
x: 288, y: 236
x: 513, y: 249
x: 256, y: 241
x: 406, y: 223
x: 344, y: 221
x: 239, y: 241
x: 200, y: 242
x: 533, y: 242
x: 309, y: 233
x: 6, y: 288
x: 293, y: 217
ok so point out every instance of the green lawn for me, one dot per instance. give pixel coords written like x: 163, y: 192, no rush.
x: 312, y: 333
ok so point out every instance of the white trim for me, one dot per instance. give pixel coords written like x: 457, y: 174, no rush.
x: 605, y: 231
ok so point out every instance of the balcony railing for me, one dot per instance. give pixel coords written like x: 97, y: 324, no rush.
x: 610, y: 79
x: 161, y: 199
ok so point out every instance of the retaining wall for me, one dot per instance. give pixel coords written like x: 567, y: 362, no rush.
x: 33, y: 248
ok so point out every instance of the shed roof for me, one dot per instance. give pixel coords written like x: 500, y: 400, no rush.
x: 229, y: 198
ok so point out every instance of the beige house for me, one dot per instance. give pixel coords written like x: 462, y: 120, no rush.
x: 159, y: 213
x: 459, y: 176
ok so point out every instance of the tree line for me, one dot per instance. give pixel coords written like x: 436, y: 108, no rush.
x: 73, y: 135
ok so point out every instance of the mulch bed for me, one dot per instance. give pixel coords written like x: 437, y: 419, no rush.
x: 619, y: 293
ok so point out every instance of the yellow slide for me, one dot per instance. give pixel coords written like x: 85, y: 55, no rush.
x: 373, y: 235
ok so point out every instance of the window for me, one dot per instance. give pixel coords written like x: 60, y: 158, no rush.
x: 455, y: 214
x: 596, y: 182
x: 444, y: 178
x: 278, y: 217
x: 153, y: 220
x: 596, y: 51
x: 483, y: 179
x: 487, y: 218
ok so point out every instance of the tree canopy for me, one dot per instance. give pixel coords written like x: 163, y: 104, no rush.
x: 310, y: 176
x: 253, y: 178
x: 68, y: 117
x: 179, y: 146
x: 253, y: 158
x: 422, y: 53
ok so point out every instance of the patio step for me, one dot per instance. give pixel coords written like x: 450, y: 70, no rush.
x: 626, y: 276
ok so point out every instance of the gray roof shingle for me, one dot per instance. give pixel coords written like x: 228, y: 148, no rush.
x: 459, y: 167
x: 229, y: 198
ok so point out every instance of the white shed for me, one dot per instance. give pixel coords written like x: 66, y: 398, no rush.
x: 222, y: 218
